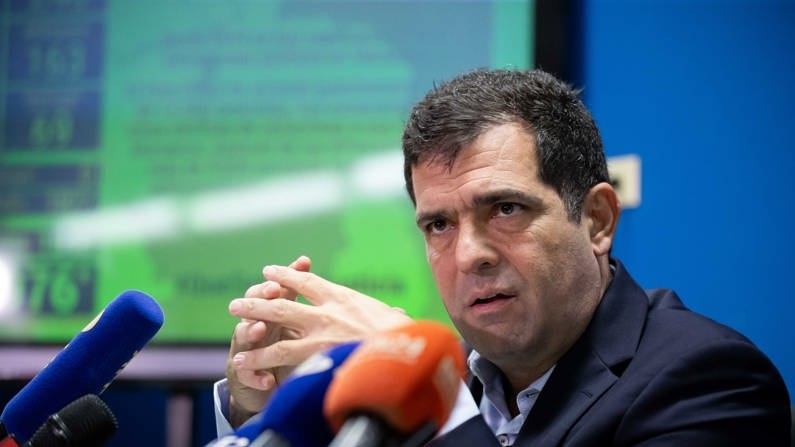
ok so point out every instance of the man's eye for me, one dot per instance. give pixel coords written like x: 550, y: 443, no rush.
x: 437, y: 226
x: 506, y: 209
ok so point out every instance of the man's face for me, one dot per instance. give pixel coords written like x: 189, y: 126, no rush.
x: 519, y: 280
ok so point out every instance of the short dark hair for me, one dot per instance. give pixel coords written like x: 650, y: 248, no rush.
x: 453, y: 114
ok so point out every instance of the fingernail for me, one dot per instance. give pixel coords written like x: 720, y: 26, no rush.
x: 235, y: 306
x: 266, y: 383
x: 269, y: 270
x: 238, y: 359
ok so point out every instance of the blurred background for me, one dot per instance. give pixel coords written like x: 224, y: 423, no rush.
x: 177, y: 147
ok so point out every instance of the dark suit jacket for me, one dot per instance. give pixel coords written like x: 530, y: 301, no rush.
x: 649, y: 372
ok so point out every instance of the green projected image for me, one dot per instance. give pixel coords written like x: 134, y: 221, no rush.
x: 178, y: 147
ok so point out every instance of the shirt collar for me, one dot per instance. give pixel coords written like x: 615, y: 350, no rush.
x: 493, y: 405
x: 488, y: 373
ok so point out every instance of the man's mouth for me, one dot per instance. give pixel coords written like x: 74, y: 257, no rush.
x: 497, y: 297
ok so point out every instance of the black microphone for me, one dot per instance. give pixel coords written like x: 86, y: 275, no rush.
x: 87, y: 365
x: 86, y: 422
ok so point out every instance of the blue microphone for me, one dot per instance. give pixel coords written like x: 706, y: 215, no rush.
x: 294, y: 415
x: 87, y: 365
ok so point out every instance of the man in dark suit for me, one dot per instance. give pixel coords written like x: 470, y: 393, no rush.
x: 647, y: 371
x: 509, y: 181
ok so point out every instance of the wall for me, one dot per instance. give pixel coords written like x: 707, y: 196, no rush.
x: 703, y: 91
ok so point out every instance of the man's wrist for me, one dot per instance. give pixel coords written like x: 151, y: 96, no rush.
x: 237, y: 414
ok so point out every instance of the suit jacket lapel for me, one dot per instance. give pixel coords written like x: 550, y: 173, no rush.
x: 592, y: 365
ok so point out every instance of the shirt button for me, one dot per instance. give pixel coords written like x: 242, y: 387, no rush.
x: 503, y: 439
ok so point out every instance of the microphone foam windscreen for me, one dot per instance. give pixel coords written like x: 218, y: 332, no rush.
x: 296, y: 409
x: 88, y: 363
x: 407, y: 376
x: 295, y: 412
x: 86, y: 422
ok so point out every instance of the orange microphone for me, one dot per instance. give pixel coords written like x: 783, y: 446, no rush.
x: 399, y: 386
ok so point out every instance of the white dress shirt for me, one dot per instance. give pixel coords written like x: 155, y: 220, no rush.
x: 493, y: 405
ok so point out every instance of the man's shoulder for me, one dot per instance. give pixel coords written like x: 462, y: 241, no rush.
x: 670, y: 320
x: 669, y: 324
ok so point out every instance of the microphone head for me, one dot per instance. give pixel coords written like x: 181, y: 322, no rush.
x: 86, y: 422
x: 295, y: 412
x: 407, y: 377
x: 88, y: 363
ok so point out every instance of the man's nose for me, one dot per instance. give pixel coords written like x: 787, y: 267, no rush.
x: 474, y: 250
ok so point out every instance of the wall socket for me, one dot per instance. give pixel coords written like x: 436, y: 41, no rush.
x: 624, y: 171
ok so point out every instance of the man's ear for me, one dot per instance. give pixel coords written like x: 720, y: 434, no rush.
x: 600, y: 212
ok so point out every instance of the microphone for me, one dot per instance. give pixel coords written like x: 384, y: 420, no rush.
x: 86, y: 422
x: 87, y: 364
x: 399, y: 387
x: 294, y: 415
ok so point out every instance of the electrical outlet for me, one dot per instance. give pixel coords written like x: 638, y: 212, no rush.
x: 624, y: 171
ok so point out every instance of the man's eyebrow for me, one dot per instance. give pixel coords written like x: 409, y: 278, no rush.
x: 506, y: 195
x: 487, y: 199
x: 428, y: 216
